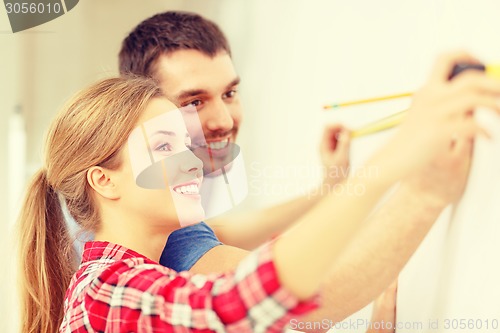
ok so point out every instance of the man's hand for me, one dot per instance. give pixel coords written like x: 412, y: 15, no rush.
x: 334, y: 150
x: 384, y: 311
x: 443, y: 181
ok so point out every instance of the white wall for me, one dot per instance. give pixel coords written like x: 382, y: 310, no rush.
x: 9, y: 99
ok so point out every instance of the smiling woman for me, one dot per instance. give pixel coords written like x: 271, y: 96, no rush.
x: 161, y: 158
x: 47, y: 259
x: 131, y: 224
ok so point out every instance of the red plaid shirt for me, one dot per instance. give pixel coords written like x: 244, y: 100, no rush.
x: 119, y: 290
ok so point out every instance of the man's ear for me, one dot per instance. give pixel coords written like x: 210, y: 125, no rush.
x: 100, y: 180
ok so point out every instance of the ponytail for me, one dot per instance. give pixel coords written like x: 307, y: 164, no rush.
x: 47, y: 258
x: 90, y: 129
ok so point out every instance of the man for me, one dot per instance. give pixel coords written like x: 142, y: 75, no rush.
x: 191, y: 59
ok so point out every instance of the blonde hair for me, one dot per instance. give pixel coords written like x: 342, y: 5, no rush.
x: 90, y: 130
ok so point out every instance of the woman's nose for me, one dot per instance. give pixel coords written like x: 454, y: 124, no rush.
x: 190, y: 163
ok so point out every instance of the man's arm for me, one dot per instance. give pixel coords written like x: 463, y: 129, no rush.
x: 392, y: 234
x: 376, y: 255
x: 248, y: 230
x: 388, y: 238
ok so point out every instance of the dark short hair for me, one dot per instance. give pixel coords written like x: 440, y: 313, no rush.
x: 168, y: 32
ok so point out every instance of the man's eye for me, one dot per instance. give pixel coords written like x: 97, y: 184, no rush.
x: 230, y: 93
x: 194, y: 103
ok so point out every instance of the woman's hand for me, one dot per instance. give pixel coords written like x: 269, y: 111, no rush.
x: 441, y: 112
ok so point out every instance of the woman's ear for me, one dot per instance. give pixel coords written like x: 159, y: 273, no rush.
x: 101, y: 181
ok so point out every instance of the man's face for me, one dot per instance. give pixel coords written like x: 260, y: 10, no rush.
x: 189, y: 77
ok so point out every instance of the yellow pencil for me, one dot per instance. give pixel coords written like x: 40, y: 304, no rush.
x: 367, y: 100
x: 493, y: 70
x: 379, y: 125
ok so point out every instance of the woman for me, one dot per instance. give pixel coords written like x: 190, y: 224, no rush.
x: 120, y: 287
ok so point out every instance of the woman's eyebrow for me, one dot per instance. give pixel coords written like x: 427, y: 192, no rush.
x: 163, y: 132
x: 169, y: 133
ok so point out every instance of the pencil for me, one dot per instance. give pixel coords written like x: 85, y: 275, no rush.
x: 367, y: 100
x: 379, y: 125
x: 493, y: 70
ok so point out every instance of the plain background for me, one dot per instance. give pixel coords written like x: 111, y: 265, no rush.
x: 293, y: 57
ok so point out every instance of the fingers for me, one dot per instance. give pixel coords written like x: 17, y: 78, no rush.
x: 335, y: 135
x: 343, y: 143
x: 463, y: 104
x: 393, y: 288
x: 334, y: 128
x: 469, y: 129
x: 476, y: 81
x: 461, y: 147
x: 444, y: 65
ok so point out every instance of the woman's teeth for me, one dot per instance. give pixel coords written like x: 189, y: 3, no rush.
x: 218, y: 144
x: 188, y: 189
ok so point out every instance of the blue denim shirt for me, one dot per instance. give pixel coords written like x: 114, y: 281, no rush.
x: 187, y: 245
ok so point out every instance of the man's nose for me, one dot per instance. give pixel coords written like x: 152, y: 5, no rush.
x: 219, y: 118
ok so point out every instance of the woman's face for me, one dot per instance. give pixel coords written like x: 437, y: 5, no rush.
x: 164, y: 175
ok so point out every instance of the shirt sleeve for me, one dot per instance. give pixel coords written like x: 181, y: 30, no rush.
x: 151, y: 298
x: 187, y: 245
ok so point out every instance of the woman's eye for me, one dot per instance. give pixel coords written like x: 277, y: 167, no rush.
x: 164, y: 147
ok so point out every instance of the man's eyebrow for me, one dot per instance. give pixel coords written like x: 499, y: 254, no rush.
x: 195, y: 92
x: 233, y: 83
x: 190, y: 93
